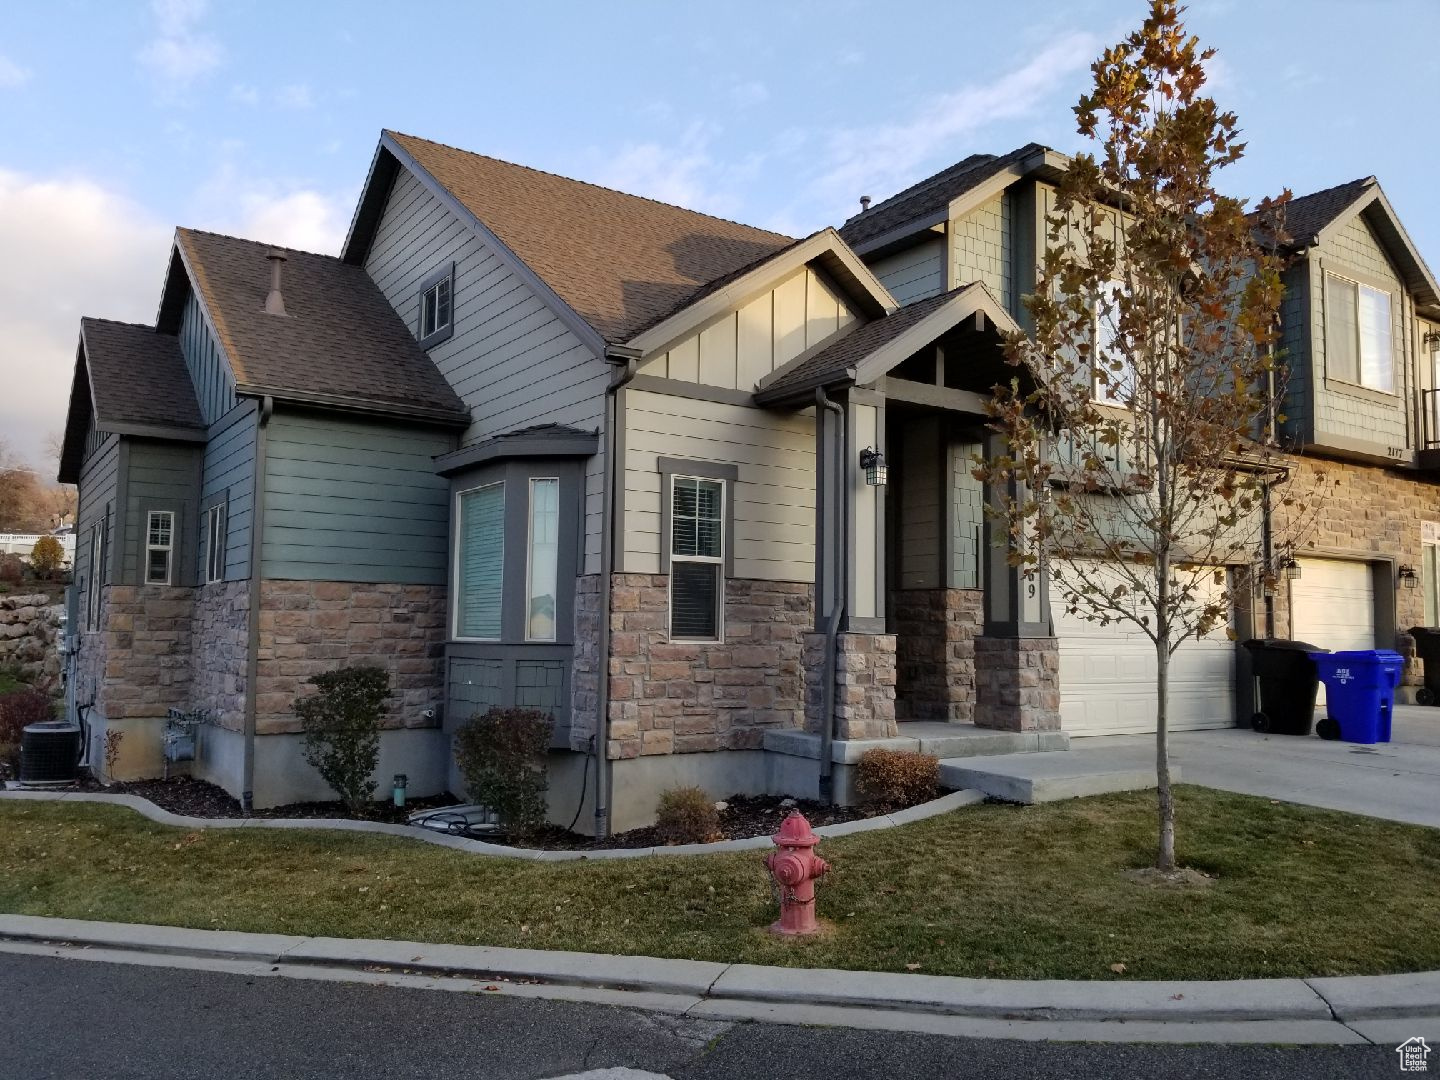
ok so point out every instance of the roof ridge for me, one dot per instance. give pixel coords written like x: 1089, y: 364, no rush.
x: 977, y: 161
x: 589, y: 184
x: 120, y: 322
x: 257, y: 243
x: 1365, y: 181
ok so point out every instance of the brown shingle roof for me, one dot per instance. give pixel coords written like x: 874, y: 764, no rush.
x: 930, y: 195
x: 1307, y: 215
x: 621, y: 262
x: 138, y: 376
x: 339, y: 339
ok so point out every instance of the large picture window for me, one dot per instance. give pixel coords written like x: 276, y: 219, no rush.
x: 159, y: 546
x: 542, y: 559
x: 480, y: 566
x: 697, y: 558
x: 1358, y: 344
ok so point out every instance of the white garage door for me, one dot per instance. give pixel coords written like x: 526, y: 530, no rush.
x: 1107, y: 678
x: 1332, y: 605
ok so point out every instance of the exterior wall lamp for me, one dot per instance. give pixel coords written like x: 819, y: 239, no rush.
x: 397, y: 788
x: 1409, y: 579
x: 1291, y: 568
x: 1431, y: 340
x: 877, y: 473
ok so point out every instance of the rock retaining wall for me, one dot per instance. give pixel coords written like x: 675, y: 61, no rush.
x: 30, y: 633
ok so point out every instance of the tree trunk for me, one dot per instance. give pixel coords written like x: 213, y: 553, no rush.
x: 1165, y: 857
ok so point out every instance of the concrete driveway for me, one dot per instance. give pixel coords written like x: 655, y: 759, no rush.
x: 1399, y: 780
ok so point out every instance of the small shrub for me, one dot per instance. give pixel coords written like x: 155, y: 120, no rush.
x: 687, y: 816
x: 12, y: 570
x: 342, y: 731
x: 501, y: 754
x: 19, y: 708
x: 896, y: 777
x: 46, y: 557
x: 113, y: 738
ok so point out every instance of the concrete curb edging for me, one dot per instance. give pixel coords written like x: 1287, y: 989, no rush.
x: 1320, y: 1006
x: 146, y: 808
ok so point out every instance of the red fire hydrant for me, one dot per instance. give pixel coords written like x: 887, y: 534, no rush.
x: 795, y: 866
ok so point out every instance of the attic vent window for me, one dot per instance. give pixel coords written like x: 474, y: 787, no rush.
x: 437, y: 308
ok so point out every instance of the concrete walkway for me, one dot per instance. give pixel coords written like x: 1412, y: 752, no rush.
x: 1333, y: 1011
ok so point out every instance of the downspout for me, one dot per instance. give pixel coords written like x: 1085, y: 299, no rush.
x: 630, y: 359
x: 837, y: 610
x: 252, y: 653
x: 1267, y: 532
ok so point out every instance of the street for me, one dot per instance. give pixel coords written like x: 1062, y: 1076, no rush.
x: 82, y: 1020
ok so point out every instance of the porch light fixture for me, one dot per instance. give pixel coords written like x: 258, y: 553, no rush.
x: 1409, y: 579
x: 877, y: 473
x: 1431, y: 340
x: 397, y: 790
x: 1291, y: 568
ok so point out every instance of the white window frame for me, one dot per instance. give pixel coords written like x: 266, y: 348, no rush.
x: 530, y: 558
x: 216, y: 534
x: 1359, y: 343
x: 1101, y: 395
x: 97, y: 576
x: 712, y: 560
x: 448, y: 281
x: 167, y: 548
x: 457, y: 542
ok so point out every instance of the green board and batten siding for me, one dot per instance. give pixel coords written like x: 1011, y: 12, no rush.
x: 159, y: 476
x: 98, y: 482
x: 209, y: 371
x: 347, y: 499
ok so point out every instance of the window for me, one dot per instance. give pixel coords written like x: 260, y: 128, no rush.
x: 542, y: 559
x: 437, y: 307
x: 97, y: 575
x: 1112, y: 372
x: 697, y: 557
x: 215, y: 540
x: 1358, y: 344
x: 480, y: 566
x: 159, y: 546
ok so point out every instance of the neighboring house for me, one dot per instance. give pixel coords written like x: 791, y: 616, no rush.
x: 530, y: 441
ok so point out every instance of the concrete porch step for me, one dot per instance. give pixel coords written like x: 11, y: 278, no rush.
x: 1049, y: 777
x: 927, y: 737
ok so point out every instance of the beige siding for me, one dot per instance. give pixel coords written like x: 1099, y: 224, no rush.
x: 980, y: 247
x: 774, y: 500
x: 744, y: 346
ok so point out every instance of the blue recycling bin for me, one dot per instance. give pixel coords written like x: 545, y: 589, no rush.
x: 1359, y: 693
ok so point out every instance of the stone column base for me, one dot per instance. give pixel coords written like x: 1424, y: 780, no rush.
x: 1017, y: 684
x: 864, y: 685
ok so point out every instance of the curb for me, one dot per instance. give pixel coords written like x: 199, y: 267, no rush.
x: 1323, y: 1006
x: 146, y: 808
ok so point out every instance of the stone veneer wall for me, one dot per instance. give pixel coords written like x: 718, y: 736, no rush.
x: 585, y: 662
x: 935, y: 632
x: 308, y: 627
x: 864, y: 685
x: 220, y: 640
x: 1017, y: 683
x: 138, y: 663
x: 682, y: 697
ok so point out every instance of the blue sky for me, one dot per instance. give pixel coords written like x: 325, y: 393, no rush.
x: 120, y: 120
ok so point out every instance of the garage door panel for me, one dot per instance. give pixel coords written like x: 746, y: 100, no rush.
x: 1332, y: 604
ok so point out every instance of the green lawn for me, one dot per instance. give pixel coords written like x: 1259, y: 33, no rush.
x: 1005, y: 891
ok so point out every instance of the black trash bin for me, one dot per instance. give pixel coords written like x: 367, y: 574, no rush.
x: 1288, y: 685
x: 1427, y: 644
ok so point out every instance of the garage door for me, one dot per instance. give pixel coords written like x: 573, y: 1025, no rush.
x: 1332, y: 605
x: 1107, y: 679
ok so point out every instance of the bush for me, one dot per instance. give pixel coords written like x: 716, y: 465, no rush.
x: 12, y: 570
x: 18, y: 709
x: 896, y: 777
x: 501, y: 754
x: 46, y: 556
x: 687, y: 816
x: 342, y: 730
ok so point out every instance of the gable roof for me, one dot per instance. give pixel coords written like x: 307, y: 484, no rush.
x: 340, y: 343
x: 930, y: 198
x: 1307, y: 215
x: 129, y: 379
x: 868, y: 351
x: 619, y: 262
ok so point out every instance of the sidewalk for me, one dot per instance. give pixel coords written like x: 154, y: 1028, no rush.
x: 1380, y: 1009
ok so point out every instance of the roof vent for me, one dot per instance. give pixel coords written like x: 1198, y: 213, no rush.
x: 864, y: 203
x: 275, y: 302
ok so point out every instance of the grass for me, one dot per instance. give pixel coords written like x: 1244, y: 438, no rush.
x: 1001, y: 891
x: 9, y: 681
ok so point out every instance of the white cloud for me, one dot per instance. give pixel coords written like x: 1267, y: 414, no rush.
x: 72, y: 248
x: 244, y: 94
x: 11, y: 73
x: 290, y: 213
x: 748, y: 94
x: 297, y: 96
x: 683, y: 173
x: 181, y: 51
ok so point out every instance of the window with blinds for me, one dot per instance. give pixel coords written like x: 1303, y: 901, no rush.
x: 1359, y: 347
x: 697, y: 558
x: 481, y: 562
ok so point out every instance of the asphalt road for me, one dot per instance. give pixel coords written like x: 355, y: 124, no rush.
x: 80, y: 1020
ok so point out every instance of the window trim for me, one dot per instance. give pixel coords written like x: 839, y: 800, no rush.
x: 168, y: 549
x: 1096, y: 396
x: 97, y: 576
x: 217, y: 541
x: 672, y: 469
x: 1357, y: 282
x: 457, y: 540
x: 441, y: 333
x: 527, y: 596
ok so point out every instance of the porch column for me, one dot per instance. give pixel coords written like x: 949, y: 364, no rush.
x: 850, y: 568
x: 1017, y: 658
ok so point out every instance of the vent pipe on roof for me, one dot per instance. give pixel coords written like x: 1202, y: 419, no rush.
x: 275, y: 302
x: 864, y: 203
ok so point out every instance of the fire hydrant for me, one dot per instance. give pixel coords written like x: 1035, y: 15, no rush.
x: 795, y: 866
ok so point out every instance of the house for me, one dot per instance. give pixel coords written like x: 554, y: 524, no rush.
x: 530, y: 441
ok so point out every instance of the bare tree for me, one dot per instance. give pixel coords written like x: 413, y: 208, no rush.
x: 1141, y: 426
